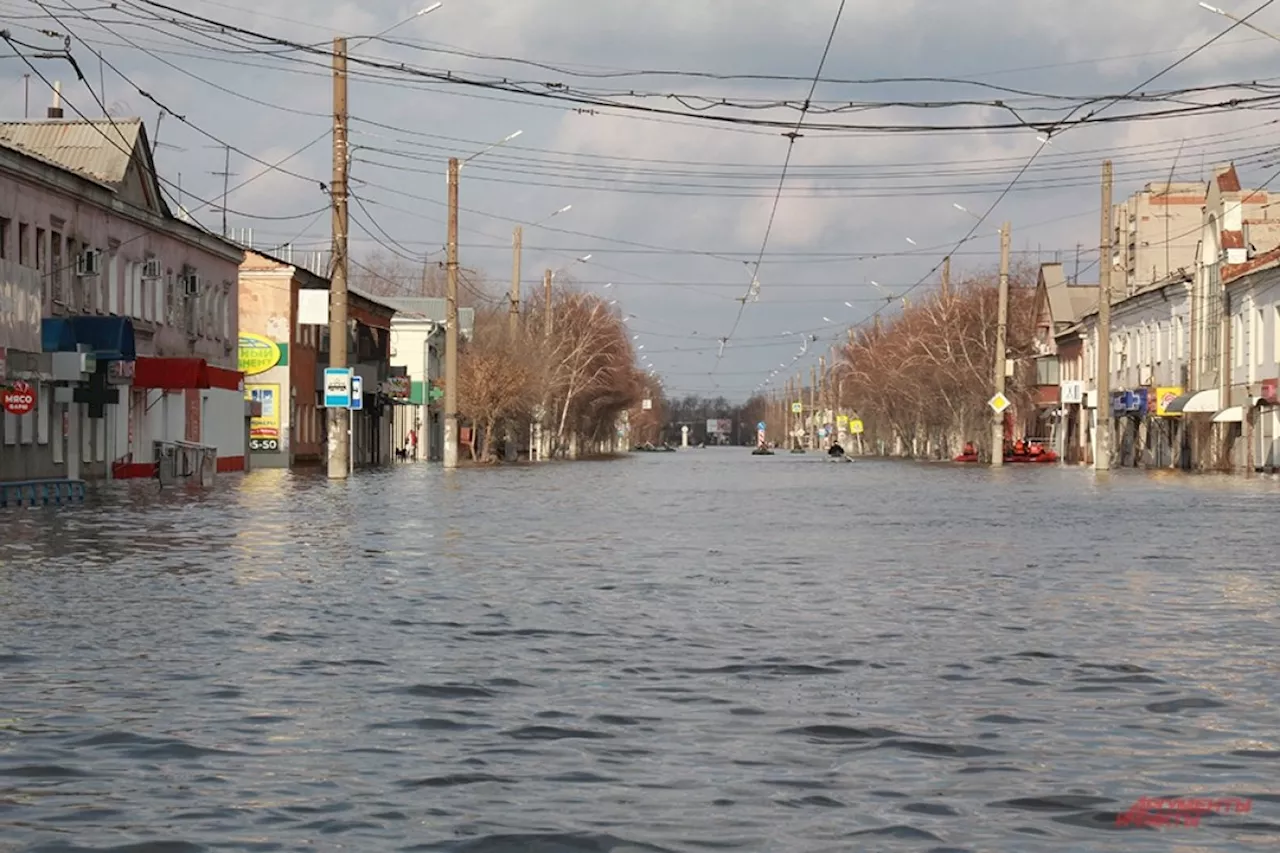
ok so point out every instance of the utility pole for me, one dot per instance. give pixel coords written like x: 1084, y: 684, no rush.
x: 1002, y: 320
x: 339, y: 438
x: 1102, y: 405
x: 26, y: 98
x: 546, y: 302
x: 813, y: 407
x: 822, y: 389
x: 946, y: 277
x: 451, y: 325
x: 517, y: 241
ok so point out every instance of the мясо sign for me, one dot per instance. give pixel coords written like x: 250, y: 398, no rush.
x: 258, y: 354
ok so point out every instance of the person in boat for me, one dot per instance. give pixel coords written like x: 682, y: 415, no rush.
x: 1019, y: 448
x: 836, y: 450
x: 969, y: 449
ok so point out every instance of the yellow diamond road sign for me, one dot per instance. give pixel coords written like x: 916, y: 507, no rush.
x: 999, y: 403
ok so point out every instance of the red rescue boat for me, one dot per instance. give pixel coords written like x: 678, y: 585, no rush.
x: 1025, y: 451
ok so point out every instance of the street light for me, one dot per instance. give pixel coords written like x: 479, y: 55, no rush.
x: 1242, y: 21
x: 396, y: 26
x: 450, y: 455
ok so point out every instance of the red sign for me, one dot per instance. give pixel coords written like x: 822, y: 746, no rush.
x: 19, y: 399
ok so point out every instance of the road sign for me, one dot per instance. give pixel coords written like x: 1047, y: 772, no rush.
x: 999, y: 403
x: 797, y: 408
x: 357, y: 393
x: 761, y: 427
x: 855, y: 426
x: 337, y: 387
x: 19, y: 399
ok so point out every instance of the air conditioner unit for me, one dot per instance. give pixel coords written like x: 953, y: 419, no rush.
x: 151, y: 269
x: 190, y: 284
x: 89, y: 263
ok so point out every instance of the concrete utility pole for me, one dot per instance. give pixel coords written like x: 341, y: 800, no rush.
x: 513, y: 323
x: 813, y: 407
x: 226, y: 172
x: 1102, y: 456
x: 822, y: 391
x: 517, y: 245
x: 1002, y: 322
x: 338, y: 419
x: 451, y: 324
x: 546, y: 302
x: 946, y: 277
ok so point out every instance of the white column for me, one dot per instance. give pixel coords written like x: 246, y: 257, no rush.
x: 73, y: 440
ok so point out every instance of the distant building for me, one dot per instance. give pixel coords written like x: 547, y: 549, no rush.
x: 119, y: 316
x: 417, y: 345
x: 284, y: 349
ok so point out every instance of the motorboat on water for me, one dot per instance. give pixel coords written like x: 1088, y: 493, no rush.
x: 1028, y: 451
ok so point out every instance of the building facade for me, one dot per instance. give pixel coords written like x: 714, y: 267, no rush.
x: 284, y: 349
x: 418, y: 346
x: 133, y: 342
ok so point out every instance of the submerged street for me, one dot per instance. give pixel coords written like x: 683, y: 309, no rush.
x: 672, y: 652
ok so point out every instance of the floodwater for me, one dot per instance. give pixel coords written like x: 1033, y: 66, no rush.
x: 694, y: 651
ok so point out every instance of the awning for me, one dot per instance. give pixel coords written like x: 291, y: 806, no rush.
x: 180, y: 374
x: 1197, y: 402
x: 1230, y: 415
x: 108, y: 338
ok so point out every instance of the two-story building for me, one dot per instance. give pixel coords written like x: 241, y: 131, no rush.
x: 417, y: 346
x: 284, y: 349
x: 1058, y: 304
x: 1252, y: 405
x: 119, y: 317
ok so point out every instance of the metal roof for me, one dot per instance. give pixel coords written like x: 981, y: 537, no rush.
x: 101, y: 149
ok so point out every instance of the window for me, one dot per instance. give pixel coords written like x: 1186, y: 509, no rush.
x: 24, y: 247
x: 6, y: 225
x: 113, y: 284
x: 1047, y: 372
x: 1259, y: 332
x: 1178, y: 340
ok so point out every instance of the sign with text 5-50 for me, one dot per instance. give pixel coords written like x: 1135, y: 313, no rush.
x: 337, y: 387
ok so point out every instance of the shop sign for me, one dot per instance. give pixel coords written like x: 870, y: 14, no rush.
x: 1072, y: 392
x: 19, y: 398
x: 1164, y: 398
x: 258, y: 354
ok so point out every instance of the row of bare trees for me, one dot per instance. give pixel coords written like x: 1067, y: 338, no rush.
x: 920, y: 379
x: 567, y: 377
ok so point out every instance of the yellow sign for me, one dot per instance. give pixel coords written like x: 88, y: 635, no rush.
x: 855, y: 426
x: 264, y: 430
x: 842, y: 423
x: 258, y: 354
x: 797, y: 408
x: 999, y: 403
x: 1165, y: 396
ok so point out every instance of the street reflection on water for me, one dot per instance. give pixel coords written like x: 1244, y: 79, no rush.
x: 671, y: 652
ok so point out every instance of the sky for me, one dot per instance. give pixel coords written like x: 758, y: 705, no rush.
x: 675, y: 209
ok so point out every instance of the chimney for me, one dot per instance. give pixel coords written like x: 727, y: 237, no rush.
x: 55, y: 111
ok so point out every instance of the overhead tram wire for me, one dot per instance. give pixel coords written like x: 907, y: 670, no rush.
x: 161, y: 180
x: 325, y: 72
x: 179, y: 116
x: 1059, y: 130
x: 559, y: 92
x: 782, y: 179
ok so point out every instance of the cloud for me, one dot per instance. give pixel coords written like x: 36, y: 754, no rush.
x: 674, y: 212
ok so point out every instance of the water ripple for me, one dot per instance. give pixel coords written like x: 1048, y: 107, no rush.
x: 699, y: 652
